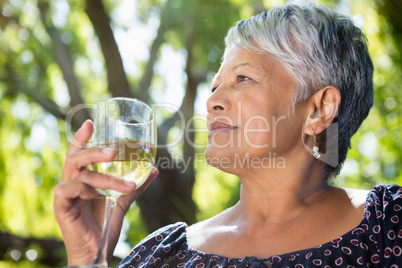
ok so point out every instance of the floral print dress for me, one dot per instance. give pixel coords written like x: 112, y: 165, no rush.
x: 375, y: 242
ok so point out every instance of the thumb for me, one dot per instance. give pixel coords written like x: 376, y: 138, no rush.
x: 81, y: 137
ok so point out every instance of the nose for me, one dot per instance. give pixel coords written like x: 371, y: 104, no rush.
x: 219, y: 101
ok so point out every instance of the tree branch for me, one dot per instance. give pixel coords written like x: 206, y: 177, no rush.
x: 158, y: 41
x: 149, y: 70
x: 188, y: 107
x: 117, y: 80
x: 63, y: 59
x: 48, y: 104
x: 173, y: 190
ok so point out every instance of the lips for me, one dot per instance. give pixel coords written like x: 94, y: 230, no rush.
x: 217, y: 127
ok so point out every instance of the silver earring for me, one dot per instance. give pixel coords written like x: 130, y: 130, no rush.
x: 316, y: 154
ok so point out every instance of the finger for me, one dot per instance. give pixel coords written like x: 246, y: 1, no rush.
x: 78, y: 160
x: 105, y: 182
x: 65, y: 193
x: 81, y: 137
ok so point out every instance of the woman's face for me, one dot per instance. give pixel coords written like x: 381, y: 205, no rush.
x: 248, y: 112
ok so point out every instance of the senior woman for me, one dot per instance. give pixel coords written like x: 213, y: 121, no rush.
x: 295, y: 84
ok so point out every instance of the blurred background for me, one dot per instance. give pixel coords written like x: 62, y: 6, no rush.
x: 59, y: 54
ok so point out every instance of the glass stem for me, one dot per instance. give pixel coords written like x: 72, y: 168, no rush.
x: 101, y: 256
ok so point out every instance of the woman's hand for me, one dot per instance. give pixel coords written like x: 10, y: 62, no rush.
x: 79, y: 208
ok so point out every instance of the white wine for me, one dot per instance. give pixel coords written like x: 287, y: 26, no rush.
x: 133, y: 162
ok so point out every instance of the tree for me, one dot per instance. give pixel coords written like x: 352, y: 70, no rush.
x: 55, y: 52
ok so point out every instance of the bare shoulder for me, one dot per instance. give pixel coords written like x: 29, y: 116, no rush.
x: 197, y: 229
x: 203, y: 233
x: 357, y: 197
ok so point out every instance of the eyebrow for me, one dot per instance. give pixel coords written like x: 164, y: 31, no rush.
x: 234, y: 68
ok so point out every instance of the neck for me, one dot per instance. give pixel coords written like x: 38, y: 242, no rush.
x: 277, y: 196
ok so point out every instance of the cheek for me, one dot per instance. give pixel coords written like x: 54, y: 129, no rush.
x: 258, y: 131
x: 287, y: 134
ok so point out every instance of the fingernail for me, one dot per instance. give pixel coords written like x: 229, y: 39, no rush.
x: 129, y: 183
x: 83, y: 124
x: 155, y: 171
x: 107, y: 151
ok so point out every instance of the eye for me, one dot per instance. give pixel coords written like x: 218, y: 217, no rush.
x: 213, y: 89
x: 242, y: 78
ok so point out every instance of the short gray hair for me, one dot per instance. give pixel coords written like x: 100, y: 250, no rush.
x: 318, y: 47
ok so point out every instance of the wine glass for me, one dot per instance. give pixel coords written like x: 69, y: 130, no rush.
x: 128, y: 126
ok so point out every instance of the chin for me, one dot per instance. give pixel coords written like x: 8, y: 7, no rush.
x: 220, y: 158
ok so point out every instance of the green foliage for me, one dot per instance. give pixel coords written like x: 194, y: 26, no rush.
x: 376, y: 152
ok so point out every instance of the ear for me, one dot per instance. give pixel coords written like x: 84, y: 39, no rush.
x: 322, y: 109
